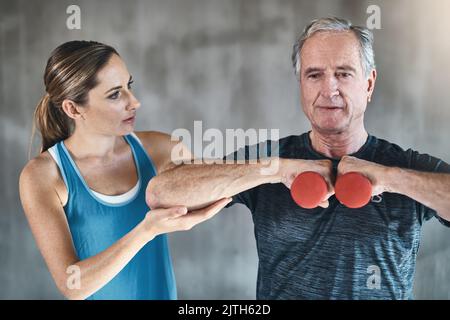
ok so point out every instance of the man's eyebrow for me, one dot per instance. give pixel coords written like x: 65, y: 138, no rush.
x: 313, y: 69
x: 347, y: 67
x: 119, y: 87
x: 344, y: 67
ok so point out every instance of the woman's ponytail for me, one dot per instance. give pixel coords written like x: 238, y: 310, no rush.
x: 51, y: 122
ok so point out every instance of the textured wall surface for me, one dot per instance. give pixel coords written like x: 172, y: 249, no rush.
x: 227, y: 63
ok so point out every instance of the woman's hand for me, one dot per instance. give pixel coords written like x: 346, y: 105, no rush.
x: 159, y: 221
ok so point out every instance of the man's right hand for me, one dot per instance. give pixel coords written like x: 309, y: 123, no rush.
x: 290, y: 168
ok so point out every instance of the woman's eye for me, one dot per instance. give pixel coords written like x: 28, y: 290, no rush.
x: 129, y: 84
x: 114, y: 96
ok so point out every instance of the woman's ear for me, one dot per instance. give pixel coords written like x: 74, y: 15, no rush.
x: 72, y: 109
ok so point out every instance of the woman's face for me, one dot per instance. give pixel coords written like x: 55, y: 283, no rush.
x: 111, y: 107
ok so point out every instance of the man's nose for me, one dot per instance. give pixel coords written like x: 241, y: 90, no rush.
x: 329, y: 88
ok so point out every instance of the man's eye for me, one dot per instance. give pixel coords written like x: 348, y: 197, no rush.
x: 313, y: 76
x: 114, y: 96
x: 129, y: 84
x: 344, y: 75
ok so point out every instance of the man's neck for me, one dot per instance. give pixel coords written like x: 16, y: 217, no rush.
x: 336, y: 145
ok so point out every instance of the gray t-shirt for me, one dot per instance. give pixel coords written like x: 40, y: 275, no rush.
x: 337, y: 252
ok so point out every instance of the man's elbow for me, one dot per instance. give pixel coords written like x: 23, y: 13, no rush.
x: 444, y: 214
x: 444, y: 210
x: 152, y: 194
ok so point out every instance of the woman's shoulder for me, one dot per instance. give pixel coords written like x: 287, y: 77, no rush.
x: 157, y: 143
x: 153, y: 138
x: 159, y: 146
x: 42, y: 169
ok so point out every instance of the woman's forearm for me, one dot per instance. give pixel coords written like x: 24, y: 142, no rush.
x: 95, y: 272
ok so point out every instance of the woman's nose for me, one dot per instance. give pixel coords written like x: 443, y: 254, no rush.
x: 134, y: 103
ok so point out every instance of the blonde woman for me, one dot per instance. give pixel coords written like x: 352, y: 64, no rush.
x: 84, y: 194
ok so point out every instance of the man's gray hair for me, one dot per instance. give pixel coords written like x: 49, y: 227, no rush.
x: 364, y: 36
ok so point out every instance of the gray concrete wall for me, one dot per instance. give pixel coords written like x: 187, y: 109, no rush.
x: 226, y: 63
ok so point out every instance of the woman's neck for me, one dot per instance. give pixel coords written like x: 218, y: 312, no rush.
x: 99, y: 146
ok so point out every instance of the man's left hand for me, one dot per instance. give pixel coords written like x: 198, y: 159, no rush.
x: 376, y: 173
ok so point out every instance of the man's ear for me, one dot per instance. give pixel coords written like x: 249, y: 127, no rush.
x: 72, y: 109
x: 371, y: 84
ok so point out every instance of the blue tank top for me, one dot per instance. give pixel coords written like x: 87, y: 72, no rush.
x: 96, y: 224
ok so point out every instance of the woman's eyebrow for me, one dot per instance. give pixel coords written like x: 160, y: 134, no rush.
x: 119, y: 87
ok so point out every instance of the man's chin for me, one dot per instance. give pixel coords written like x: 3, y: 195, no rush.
x: 330, y: 130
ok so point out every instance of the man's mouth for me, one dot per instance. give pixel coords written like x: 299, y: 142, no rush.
x: 330, y: 108
x: 130, y: 119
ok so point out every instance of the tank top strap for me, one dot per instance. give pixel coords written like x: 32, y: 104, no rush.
x: 147, y: 167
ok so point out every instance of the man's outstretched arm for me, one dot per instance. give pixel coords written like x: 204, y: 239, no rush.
x: 432, y: 189
x: 197, y: 185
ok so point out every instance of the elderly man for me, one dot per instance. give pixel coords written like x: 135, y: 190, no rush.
x: 330, y: 252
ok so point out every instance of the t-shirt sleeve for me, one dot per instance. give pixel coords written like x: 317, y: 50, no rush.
x: 246, y: 198
x: 427, y: 163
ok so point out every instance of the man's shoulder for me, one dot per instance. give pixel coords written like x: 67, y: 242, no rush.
x: 383, y: 145
x: 293, y: 145
x: 284, y: 147
x: 390, y: 153
x: 294, y: 139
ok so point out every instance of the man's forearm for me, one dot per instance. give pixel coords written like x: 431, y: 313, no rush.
x: 197, y: 185
x: 429, y: 188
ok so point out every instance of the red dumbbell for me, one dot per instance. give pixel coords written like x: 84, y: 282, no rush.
x: 353, y: 190
x: 309, y: 189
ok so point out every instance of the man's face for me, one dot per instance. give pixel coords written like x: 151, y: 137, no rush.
x: 334, y: 89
